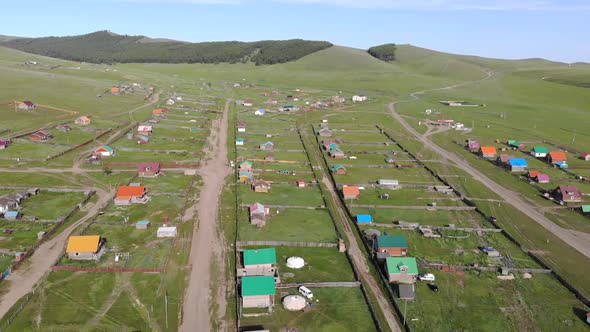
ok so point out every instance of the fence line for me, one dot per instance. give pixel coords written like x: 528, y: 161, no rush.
x: 107, y: 269
x: 287, y: 244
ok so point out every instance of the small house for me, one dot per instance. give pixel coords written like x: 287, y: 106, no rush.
x: 144, y: 130
x: 4, y: 144
x: 325, y: 132
x: 258, y: 292
x: 258, y: 214
x: 539, y: 152
x: 82, y: 121
x: 86, y: 247
x: 556, y: 157
x: 241, y: 129
x: 300, y: 184
x: 364, y: 218
x: 387, y: 183
x: 105, y: 151
x: 488, y: 151
x: 127, y: 195
x: 267, y: 146
x: 260, y: 112
x: 517, y: 164
x: 247, y: 103
x: 11, y: 215
x: 338, y: 169
x: 473, y: 146
x: 356, y: 98
x: 403, y: 270
x: 568, y: 194
x: 245, y: 165
x: 158, y: 112
x: 115, y: 90
x: 350, y: 192
x: 245, y: 176
x: 533, y: 174
x: 26, y: 105
x: 543, y: 178
x: 148, y: 170
x: 269, y: 157
x: 166, y: 231
x: 504, y: 158
x: 261, y: 186
x: 40, y: 136
x: 389, y: 160
x: 239, y: 141
x: 142, y: 139
x: 336, y: 153
x: 259, y: 262
x: 585, y: 156
x: 142, y: 224
x: 395, y: 245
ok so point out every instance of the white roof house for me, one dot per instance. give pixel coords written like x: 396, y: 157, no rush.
x: 386, y: 182
x: 169, y: 231
x: 144, y: 128
x: 359, y: 98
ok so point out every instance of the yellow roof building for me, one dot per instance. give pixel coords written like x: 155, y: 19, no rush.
x: 86, y: 243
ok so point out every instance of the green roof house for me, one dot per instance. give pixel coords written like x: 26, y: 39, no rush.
x: 395, y: 245
x: 338, y: 169
x: 402, y: 270
x: 513, y: 143
x: 259, y: 262
x: 539, y: 152
x: 258, y: 292
x: 586, y: 208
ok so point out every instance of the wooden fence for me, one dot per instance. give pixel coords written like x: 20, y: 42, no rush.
x: 287, y: 244
x: 108, y: 269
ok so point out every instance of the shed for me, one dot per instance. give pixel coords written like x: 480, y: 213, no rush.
x: 11, y: 215
x: 364, y: 218
x: 166, y: 231
x: 586, y: 208
x: 395, y: 245
x: 239, y: 141
x: 258, y: 292
x: 142, y: 224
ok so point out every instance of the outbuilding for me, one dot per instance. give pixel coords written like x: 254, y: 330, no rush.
x: 364, y: 218
x: 142, y: 224
x: 166, y: 231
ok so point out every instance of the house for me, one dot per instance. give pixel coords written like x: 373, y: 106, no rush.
x: 40, y: 136
x: 513, y: 143
x: 245, y: 165
x: 325, y: 132
x: 389, y: 160
x: 241, y: 129
x: 166, y: 231
x: 260, y: 111
x: 338, y: 169
x: 86, y: 247
x: 364, y: 218
x: 170, y: 102
x: 392, y: 184
x: 517, y: 164
x: 258, y: 262
x: 504, y: 158
x: 403, y: 270
x: 115, y: 90
x: 568, y: 194
x: 556, y: 157
x: 148, y: 170
x: 331, y: 146
x: 239, y: 141
x: 350, y: 192
x: 406, y: 291
x: 127, y: 195
x: 142, y: 224
x: 359, y: 98
x: 160, y: 112
x: 26, y: 105
x: 258, y: 292
x: 144, y: 130
x: 82, y: 121
x: 473, y: 146
x: 4, y: 144
x: 533, y: 174
x: 11, y: 215
x: 300, y: 184
x: 261, y: 186
x: 64, y: 128
x: 245, y: 176
x: 395, y: 245
x: 267, y: 146
x: 539, y: 152
x: 247, y: 103
x: 269, y: 157
x: 326, y: 144
x: 585, y: 156
x: 336, y: 153
x: 488, y: 151
x: 258, y: 214
x: 105, y: 151
x: 141, y: 139
x: 543, y: 178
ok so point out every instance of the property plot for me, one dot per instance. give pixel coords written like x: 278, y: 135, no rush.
x: 424, y: 217
x: 19, y: 235
x: 282, y: 195
x: 50, y: 205
x: 407, y: 197
x: 321, y: 265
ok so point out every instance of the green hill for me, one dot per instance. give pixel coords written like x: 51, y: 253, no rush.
x: 107, y: 47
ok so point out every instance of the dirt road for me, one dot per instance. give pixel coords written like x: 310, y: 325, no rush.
x: 196, y: 307
x: 22, y: 280
x: 578, y: 240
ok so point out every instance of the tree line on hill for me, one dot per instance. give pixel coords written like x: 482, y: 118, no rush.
x: 384, y: 52
x: 106, y: 47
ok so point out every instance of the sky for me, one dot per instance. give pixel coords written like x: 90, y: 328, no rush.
x: 511, y: 29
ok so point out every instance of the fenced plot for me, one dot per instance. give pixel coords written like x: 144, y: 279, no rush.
x: 424, y: 217
x: 282, y: 194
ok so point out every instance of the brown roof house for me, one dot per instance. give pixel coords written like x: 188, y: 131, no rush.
x: 568, y: 194
x: 350, y: 192
x: 261, y: 186
x: 40, y: 136
x: 258, y: 214
x: 148, y: 170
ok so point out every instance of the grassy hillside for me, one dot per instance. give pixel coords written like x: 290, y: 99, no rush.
x: 107, y: 47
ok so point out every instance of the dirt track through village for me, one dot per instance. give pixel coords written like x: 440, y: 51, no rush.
x: 578, y: 240
x: 205, y: 243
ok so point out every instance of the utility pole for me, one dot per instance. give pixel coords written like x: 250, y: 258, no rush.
x: 166, y: 309
x: 405, y: 307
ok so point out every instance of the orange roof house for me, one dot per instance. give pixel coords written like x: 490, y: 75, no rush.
x: 534, y: 174
x: 115, y: 89
x: 157, y: 111
x: 85, y: 247
x: 557, y: 156
x: 350, y: 192
x: 488, y: 151
x: 130, y: 194
x: 83, y: 120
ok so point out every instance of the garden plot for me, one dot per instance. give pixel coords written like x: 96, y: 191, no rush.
x: 356, y: 138
x: 406, y: 197
x: 425, y: 217
x: 292, y: 225
x: 49, y: 205
x: 282, y: 194
x: 288, y: 157
x: 21, y: 235
x: 365, y: 175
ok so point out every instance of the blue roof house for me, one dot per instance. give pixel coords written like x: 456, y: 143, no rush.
x: 11, y: 215
x: 364, y: 218
x: 142, y: 224
x: 517, y: 164
x: 239, y: 141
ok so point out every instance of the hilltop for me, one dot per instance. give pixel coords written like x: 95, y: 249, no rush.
x: 108, y: 47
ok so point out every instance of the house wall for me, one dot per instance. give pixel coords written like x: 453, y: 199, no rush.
x: 259, y: 301
x: 122, y: 201
x: 350, y: 197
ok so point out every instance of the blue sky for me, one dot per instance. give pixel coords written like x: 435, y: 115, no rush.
x: 552, y: 29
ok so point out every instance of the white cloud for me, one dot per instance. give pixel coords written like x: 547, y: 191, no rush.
x: 487, y: 5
